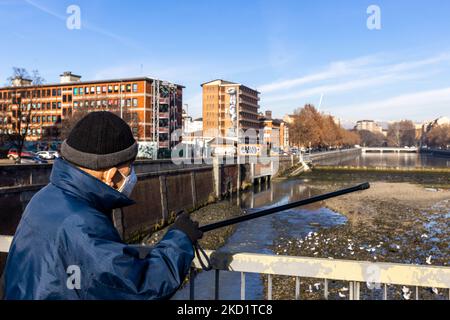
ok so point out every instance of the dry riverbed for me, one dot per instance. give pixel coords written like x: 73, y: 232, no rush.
x: 391, y: 222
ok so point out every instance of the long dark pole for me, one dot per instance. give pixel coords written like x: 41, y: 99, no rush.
x: 266, y: 212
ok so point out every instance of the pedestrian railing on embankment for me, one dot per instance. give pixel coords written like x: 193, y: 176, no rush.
x: 353, y: 272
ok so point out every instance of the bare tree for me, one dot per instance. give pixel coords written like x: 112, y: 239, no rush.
x: 22, y: 105
x: 401, y: 134
x: 438, y: 137
x: 371, y: 139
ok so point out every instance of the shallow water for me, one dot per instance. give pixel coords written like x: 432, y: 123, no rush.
x: 401, y: 160
x: 258, y: 237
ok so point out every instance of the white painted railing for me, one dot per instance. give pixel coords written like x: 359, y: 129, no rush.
x: 5, y: 243
x: 355, y: 272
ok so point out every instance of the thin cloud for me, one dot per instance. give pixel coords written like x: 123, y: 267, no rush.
x: 334, y: 70
x: 344, y: 87
x: 364, y: 66
x: 416, y: 100
x: 85, y: 25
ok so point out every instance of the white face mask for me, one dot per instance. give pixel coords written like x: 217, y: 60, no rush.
x: 129, y: 183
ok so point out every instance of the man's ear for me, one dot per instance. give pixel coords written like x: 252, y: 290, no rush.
x: 108, y: 176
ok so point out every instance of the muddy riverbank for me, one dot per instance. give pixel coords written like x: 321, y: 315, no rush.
x: 391, y: 222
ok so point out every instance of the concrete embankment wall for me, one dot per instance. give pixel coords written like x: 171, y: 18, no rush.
x: 30, y: 174
x: 435, y: 152
x: 334, y: 157
x: 163, y: 189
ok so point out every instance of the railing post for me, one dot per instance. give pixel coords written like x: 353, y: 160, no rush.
x: 216, y: 287
x: 351, y: 292
x: 417, y: 293
x: 269, y: 287
x: 192, y: 284
x: 326, y: 289
x: 242, y: 285
x: 297, y: 288
x: 385, y: 292
x: 357, y: 290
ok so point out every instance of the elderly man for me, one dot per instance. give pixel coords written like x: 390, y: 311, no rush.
x: 66, y: 246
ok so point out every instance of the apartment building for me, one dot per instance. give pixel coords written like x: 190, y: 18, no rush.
x: 228, y: 107
x: 368, y: 125
x: 275, y: 132
x: 153, y: 108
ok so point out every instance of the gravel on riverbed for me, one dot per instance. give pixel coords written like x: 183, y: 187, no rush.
x: 391, y: 222
x: 209, y: 214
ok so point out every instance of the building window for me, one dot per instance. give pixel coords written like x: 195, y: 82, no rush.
x: 135, y: 102
x: 81, y: 91
x: 104, y: 89
x: 116, y: 88
x: 99, y: 90
x: 135, y: 87
x: 110, y: 89
x: 59, y: 105
x: 86, y: 90
x: 128, y: 87
x: 64, y: 98
x: 59, y: 92
x: 92, y: 89
x: 75, y: 91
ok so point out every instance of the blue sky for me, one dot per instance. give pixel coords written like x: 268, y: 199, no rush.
x: 292, y: 51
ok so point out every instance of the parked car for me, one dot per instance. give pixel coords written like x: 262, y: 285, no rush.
x: 55, y: 154
x: 13, y: 154
x: 48, y: 155
x: 32, y: 160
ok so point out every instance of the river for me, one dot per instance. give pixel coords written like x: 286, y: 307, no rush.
x: 259, y: 237
x: 401, y: 160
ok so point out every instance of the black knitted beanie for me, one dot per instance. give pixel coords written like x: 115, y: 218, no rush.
x: 99, y: 141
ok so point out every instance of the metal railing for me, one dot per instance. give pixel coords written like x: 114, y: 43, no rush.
x: 353, y: 272
x: 5, y: 243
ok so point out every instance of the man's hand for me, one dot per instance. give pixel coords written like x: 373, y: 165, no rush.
x: 189, y: 227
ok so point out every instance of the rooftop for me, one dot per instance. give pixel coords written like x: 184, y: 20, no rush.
x: 92, y: 82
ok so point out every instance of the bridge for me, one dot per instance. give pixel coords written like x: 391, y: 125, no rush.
x: 389, y: 150
x: 326, y: 270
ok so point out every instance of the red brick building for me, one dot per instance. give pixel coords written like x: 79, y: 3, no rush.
x: 153, y: 107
